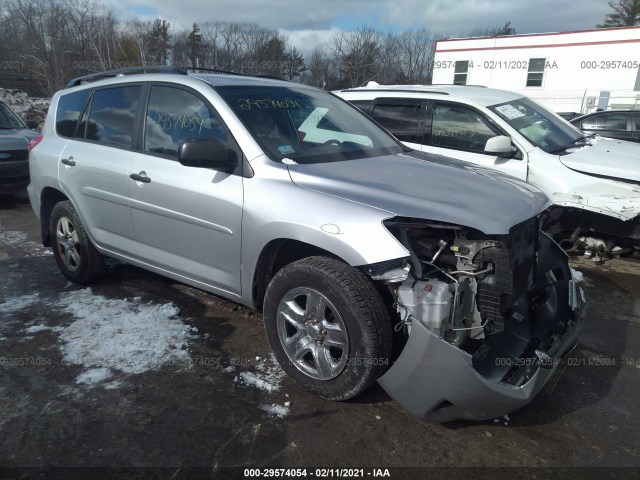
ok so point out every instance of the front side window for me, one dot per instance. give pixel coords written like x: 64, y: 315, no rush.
x: 112, y: 116
x: 69, y: 108
x: 460, y: 73
x: 401, y: 119
x: 611, y: 121
x: 459, y: 128
x: 306, y: 125
x: 538, y: 125
x: 535, y: 74
x: 175, y: 115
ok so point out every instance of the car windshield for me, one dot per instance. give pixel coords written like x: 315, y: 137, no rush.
x: 8, y: 119
x: 307, y: 126
x: 538, y: 125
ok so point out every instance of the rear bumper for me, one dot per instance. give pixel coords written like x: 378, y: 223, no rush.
x: 437, y: 381
x: 14, y: 176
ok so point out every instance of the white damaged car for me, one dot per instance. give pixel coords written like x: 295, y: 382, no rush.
x: 593, y: 181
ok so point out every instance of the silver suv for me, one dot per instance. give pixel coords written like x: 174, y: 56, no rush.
x: 370, y: 262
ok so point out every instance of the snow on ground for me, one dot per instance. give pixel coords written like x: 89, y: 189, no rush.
x: 12, y: 237
x: 123, y: 335
x: 275, y: 409
x: 42, y: 328
x: 268, y: 375
x: 15, y: 238
x: 16, y: 304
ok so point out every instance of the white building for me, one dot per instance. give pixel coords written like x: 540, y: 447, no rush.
x: 566, y: 71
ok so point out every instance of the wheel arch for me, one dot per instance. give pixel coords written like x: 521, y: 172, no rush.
x: 274, y: 256
x: 48, y: 199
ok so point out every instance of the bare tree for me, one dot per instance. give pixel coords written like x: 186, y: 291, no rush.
x: 356, y: 53
x: 415, y: 56
x: 504, y: 30
x: 319, y: 69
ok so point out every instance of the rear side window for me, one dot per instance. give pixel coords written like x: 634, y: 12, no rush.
x: 401, y: 119
x: 175, y: 115
x: 112, y: 116
x: 69, y: 108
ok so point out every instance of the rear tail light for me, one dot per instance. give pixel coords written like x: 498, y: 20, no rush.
x: 34, y: 141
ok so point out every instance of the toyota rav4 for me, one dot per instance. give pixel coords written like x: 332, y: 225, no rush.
x: 370, y: 262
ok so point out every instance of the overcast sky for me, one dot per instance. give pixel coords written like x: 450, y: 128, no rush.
x: 310, y: 22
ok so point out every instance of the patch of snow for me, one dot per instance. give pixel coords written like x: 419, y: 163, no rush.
x: 94, y: 375
x: 42, y: 328
x: 258, y: 381
x: 12, y: 237
x: 15, y: 304
x: 124, y: 335
x: 275, y: 409
x: 268, y: 377
x: 115, y: 384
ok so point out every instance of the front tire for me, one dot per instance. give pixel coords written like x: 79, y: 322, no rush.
x: 76, y: 256
x: 328, y: 327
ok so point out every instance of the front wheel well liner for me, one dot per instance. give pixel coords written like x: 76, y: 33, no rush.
x: 277, y: 254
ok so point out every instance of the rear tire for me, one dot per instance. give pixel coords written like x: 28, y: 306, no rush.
x: 76, y: 256
x: 328, y: 327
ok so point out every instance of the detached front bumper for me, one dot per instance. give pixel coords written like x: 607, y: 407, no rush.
x: 437, y: 381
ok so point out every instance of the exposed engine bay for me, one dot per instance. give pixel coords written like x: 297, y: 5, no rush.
x: 485, y: 318
x: 480, y: 293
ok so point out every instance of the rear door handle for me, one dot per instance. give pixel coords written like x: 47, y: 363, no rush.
x: 70, y: 162
x: 140, y: 177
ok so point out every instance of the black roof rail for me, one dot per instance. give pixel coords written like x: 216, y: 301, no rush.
x: 215, y: 70
x: 390, y: 90
x: 92, y: 77
x: 125, y: 71
x: 212, y: 70
x: 455, y: 85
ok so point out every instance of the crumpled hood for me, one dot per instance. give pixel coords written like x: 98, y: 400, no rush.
x: 607, y: 157
x: 427, y: 186
x: 15, y: 139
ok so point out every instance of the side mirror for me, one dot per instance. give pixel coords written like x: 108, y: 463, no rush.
x: 32, y: 124
x: 207, y: 153
x: 500, y: 146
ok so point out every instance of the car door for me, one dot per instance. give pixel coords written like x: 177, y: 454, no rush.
x: 93, y: 167
x: 404, y: 118
x: 609, y: 124
x: 187, y: 220
x: 462, y: 132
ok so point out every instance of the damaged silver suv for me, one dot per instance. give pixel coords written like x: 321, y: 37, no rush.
x: 371, y: 262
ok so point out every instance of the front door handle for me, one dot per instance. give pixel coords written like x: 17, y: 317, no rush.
x: 140, y: 177
x: 69, y: 162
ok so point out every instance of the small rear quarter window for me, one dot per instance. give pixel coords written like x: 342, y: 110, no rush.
x: 70, y: 107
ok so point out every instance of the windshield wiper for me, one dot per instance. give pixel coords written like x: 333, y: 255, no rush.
x: 571, y: 143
